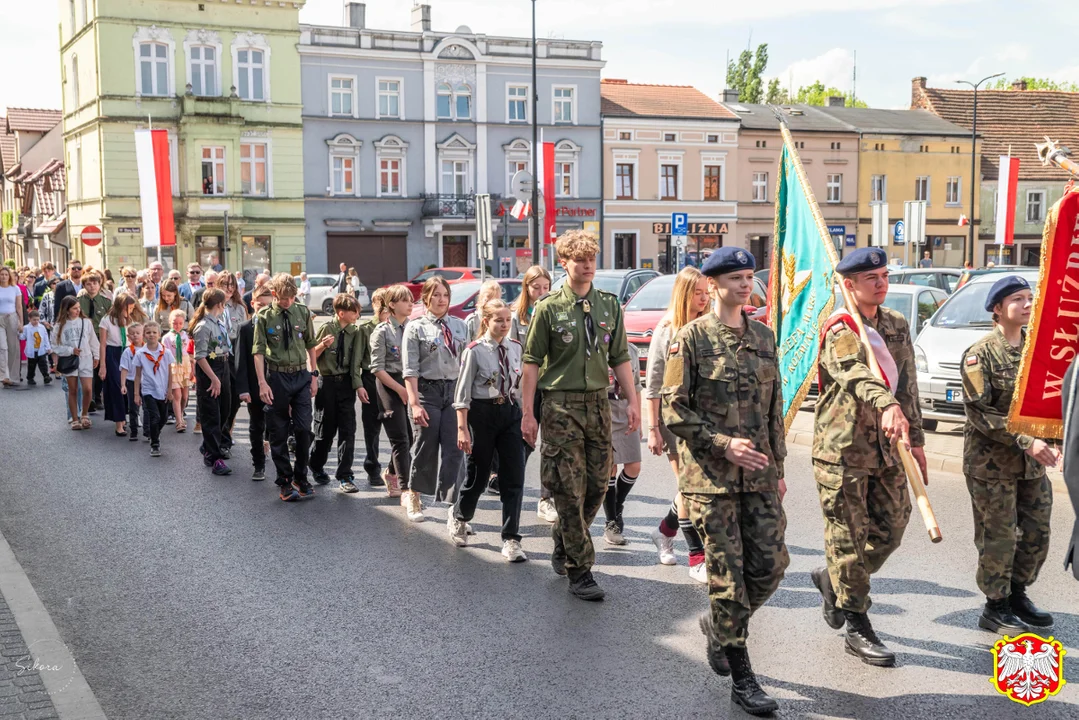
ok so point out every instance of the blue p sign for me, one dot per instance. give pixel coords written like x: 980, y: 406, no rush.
x: 679, y: 223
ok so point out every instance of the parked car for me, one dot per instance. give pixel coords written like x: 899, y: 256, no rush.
x: 622, y: 283
x: 947, y: 279
x: 969, y: 275
x: 324, y: 290
x: 463, y: 296
x: 449, y: 274
x: 960, y: 322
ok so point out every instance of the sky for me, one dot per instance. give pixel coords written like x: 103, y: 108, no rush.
x: 686, y: 42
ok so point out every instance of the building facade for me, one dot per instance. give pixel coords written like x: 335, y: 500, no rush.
x: 223, y: 79
x: 32, y: 187
x: 403, y: 129
x: 667, y: 149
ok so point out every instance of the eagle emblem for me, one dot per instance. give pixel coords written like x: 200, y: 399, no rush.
x: 741, y: 256
x: 1028, y: 668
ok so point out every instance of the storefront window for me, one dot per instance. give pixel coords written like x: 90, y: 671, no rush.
x: 209, y: 252
x: 168, y: 257
x: 256, y: 256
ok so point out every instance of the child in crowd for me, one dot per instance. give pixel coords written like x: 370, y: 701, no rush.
x: 213, y: 392
x: 176, y: 343
x: 386, y: 364
x: 74, y: 336
x: 127, y: 382
x: 152, y: 374
x: 247, y: 382
x: 627, y: 453
x: 38, y: 347
x: 489, y: 290
x: 370, y: 406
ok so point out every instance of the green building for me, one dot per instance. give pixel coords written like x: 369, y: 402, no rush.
x: 224, y: 79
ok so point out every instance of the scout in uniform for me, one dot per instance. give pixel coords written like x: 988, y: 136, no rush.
x: 338, y: 351
x: 626, y: 449
x: 213, y: 349
x: 860, y: 480
x: 284, y: 350
x: 723, y: 398
x: 1010, y: 493
x: 370, y: 407
x: 576, y: 334
x: 247, y: 383
x: 94, y: 306
x: 388, y: 367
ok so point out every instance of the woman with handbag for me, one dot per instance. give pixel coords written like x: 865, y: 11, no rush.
x: 78, y: 352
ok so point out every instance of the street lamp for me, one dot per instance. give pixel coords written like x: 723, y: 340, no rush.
x: 974, y: 159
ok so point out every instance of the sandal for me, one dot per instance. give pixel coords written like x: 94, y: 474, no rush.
x: 76, y: 425
x: 181, y: 426
x: 86, y: 424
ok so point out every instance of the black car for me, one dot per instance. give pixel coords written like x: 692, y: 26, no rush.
x: 622, y: 283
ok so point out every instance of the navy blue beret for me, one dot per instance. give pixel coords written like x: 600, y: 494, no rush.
x: 862, y: 260
x: 1003, y: 288
x: 728, y: 260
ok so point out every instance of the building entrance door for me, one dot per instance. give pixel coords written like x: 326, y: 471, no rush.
x: 455, y: 250
x: 625, y: 251
x: 759, y: 246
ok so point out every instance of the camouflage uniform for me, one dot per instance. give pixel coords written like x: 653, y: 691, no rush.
x: 718, y: 386
x: 1009, y: 490
x: 576, y: 419
x: 860, y: 479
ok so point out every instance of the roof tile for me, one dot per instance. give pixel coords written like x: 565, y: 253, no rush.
x: 622, y: 99
x: 32, y: 120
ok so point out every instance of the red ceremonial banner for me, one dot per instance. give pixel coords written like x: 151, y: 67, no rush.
x: 1053, y: 337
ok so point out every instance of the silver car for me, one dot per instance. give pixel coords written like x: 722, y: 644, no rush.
x: 960, y: 322
x: 324, y: 290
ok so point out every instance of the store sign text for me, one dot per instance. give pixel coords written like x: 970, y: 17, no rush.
x: 694, y: 228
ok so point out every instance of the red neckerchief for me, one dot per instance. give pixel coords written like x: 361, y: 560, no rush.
x: 160, y: 357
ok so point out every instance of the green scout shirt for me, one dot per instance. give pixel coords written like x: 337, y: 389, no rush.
x: 343, y: 357
x: 271, y: 326
x: 367, y: 329
x: 94, y: 308
x: 556, y: 340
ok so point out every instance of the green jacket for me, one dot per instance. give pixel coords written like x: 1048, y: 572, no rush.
x: 271, y: 326
x: 349, y: 352
x: 94, y: 308
x: 367, y: 329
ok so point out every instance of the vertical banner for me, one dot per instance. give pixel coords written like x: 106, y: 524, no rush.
x: 155, y: 187
x: 549, y: 182
x: 1007, y: 183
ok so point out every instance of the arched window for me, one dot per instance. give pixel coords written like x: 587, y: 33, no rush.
x: 462, y: 102
x: 444, y: 101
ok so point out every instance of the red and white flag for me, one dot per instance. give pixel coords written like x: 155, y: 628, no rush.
x: 548, y: 188
x: 521, y: 210
x: 963, y: 221
x: 155, y: 187
x: 1007, y: 185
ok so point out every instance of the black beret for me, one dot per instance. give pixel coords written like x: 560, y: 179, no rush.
x: 1003, y: 288
x: 862, y: 260
x: 728, y: 260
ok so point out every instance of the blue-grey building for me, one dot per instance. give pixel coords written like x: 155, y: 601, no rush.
x: 402, y: 129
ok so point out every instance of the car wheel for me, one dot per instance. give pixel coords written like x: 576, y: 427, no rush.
x: 929, y: 425
x: 327, y: 306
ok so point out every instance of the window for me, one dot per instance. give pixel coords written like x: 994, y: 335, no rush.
x: 389, y: 98
x: 342, y: 96
x: 921, y: 188
x: 760, y: 187
x: 668, y: 182
x: 878, y: 192
x: 512, y: 168
x: 836, y: 146
x: 712, y: 177
x: 713, y: 138
x: 800, y: 144
x: 390, y: 156
x: 455, y: 177
x: 444, y: 99
x: 625, y: 135
x: 213, y: 171
x: 153, y: 68
x: 344, y: 159
x: 73, y: 24
x: 563, y: 105
x: 75, y: 103
x: 344, y: 176
x: 835, y: 188
x: 253, y: 169
x: 563, y: 179
x: 462, y: 102
x: 203, y: 70
x: 669, y: 137
x: 517, y: 103
x: 762, y: 143
x: 952, y: 191
x: 1035, y: 204
x: 389, y: 174
x: 251, y: 68
x: 85, y: 13
x: 623, y: 181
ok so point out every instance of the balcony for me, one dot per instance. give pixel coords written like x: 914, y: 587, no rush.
x: 452, y: 206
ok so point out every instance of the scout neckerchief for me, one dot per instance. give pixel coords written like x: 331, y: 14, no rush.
x: 447, y: 335
x: 222, y: 332
x: 504, y: 372
x: 589, y: 328
x: 178, y: 346
x: 123, y: 335
x: 157, y: 363
x: 287, y: 324
x: 342, y: 350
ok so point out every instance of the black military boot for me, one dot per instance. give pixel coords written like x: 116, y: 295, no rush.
x: 585, y: 587
x: 862, y: 642
x: 745, y: 690
x: 717, y: 658
x: 998, y: 617
x: 1027, y: 611
x: 832, y: 615
x: 558, y: 555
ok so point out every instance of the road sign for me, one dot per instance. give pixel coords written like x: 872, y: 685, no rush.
x: 484, y: 234
x: 678, y: 241
x: 837, y: 229
x: 679, y: 224
x: 91, y: 235
x: 521, y: 185
x: 900, y: 233
x: 914, y: 219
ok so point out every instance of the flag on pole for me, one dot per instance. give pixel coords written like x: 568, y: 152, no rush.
x: 1006, y: 188
x: 549, y: 181
x: 521, y: 210
x: 963, y: 221
x: 155, y: 187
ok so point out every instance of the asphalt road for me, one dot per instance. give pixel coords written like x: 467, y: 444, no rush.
x: 182, y: 595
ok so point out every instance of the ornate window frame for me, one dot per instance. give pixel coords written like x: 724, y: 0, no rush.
x: 391, y: 147
x: 251, y: 41
x: 154, y: 34
x: 204, y: 38
x: 344, y: 145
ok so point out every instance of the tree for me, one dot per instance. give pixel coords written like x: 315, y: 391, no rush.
x: 745, y: 74
x: 776, y: 94
x: 818, y: 94
x: 1034, y: 83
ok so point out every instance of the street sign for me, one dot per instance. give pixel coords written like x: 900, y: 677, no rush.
x: 880, y: 225
x: 679, y: 224
x: 484, y: 233
x: 521, y: 185
x: 852, y: 240
x: 899, y: 234
x: 678, y: 241
x: 91, y: 235
x: 837, y: 229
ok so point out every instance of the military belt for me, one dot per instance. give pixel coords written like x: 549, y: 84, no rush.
x: 585, y: 396
x: 285, y: 368
x: 494, y: 401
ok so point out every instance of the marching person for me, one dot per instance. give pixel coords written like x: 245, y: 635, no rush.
x: 112, y: 330
x: 127, y: 381
x: 1071, y: 451
x: 182, y: 369
x: 722, y: 397
x: 212, y: 350
x: 432, y: 347
x: 152, y: 385
x: 234, y: 316
x: 38, y: 348
x: 1010, y: 492
x: 247, y: 383
x: 170, y: 300
x: 489, y: 290
x: 387, y: 342
x: 577, y: 333
x: 626, y: 449
x: 371, y: 407
x: 338, y: 351
x: 74, y: 336
x: 95, y: 306
x: 858, y: 420
x: 487, y: 401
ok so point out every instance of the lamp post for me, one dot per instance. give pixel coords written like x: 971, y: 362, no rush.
x: 535, y: 150
x: 974, y: 159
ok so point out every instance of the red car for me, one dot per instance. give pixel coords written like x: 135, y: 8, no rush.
x: 463, y: 296
x: 449, y: 274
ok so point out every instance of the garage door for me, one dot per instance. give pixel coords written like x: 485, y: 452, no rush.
x: 379, y: 259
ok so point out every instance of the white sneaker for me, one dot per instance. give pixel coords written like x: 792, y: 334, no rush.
x: 699, y: 573
x: 545, y: 511
x: 414, y: 510
x: 665, y: 545
x: 511, y: 550
x: 405, y: 494
x: 458, y: 530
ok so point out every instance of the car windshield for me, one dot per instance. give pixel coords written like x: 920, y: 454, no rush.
x: 459, y: 292
x: 966, y: 308
x: 609, y: 283
x: 892, y: 301
x: 655, y: 295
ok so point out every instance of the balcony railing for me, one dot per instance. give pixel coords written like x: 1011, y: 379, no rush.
x: 460, y: 206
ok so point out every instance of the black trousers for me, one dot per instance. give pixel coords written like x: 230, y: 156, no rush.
x: 495, y: 428
x: 133, y: 413
x: 335, y: 414
x: 97, y: 385
x: 372, y: 425
x: 399, y: 432
x: 256, y: 431
x: 153, y: 418
x: 234, y: 405
x: 291, y: 408
x: 213, y: 411
x: 537, y: 411
x: 41, y: 362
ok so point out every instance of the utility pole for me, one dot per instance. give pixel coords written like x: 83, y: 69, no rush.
x: 974, y: 161
x: 535, y: 149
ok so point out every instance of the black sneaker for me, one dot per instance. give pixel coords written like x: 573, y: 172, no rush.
x: 226, y: 452
x: 348, y: 486
x: 286, y: 492
x: 304, y: 488
x: 375, y: 480
x: 585, y: 588
x: 31, y: 381
x: 259, y: 474
x: 133, y: 438
x: 48, y: 381
x: 220, y: 468
x: 492, y: 486
x: 155, y: 451
x: 207, y: 461
x: 320, y: 476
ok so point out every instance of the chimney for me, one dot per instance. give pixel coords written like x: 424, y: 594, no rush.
x: 356, y: 15
x: 917, y: 93
x: 1019, y: 85
x: 730, y: 96
x: 837, y: 101
x: 421, y: 18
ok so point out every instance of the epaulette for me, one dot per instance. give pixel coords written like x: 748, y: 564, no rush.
x: 515, y: 341
x: 473, y: 344
x: 607, y: 293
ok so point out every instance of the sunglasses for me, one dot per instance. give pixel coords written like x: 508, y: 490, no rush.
x: 194, y: 272
x: 77, y: 267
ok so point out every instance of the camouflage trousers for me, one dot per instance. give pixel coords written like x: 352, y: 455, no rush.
x: 575, y: 468
x: 865, y: 514
x: 1011, y: 531
x: 744, y: 546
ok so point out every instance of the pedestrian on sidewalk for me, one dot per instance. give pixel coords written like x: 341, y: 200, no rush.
x: 74, y: 336
x: 370, y: 406
x: 113, y: 338
x: 169, y: 301
x: 182, y: 369
x: 95, y: 306
x: 212, y: 351
x: 12, y: 319
x: 387, y: 365
x: 152, y: 375
x: 626, y: 448
x: 127, y: 381
x: 487, y: 401
x: 1010, y: 492
x: 38, y: 349
x: 578, y: 333
x: 234, y: 316
x: 247, y: 383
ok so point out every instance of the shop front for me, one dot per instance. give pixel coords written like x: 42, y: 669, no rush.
x: 702, y: 239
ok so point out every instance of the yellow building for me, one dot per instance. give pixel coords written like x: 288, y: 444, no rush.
x: 913, y: 155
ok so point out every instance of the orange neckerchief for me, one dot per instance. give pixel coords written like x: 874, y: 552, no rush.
x: 160, y: 357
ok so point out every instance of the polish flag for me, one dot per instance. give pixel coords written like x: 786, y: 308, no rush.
x: 155, y: 187
x: 521, y: 210
x: 548, y: 187
x: 1007, y: 184
x: 963, y: 221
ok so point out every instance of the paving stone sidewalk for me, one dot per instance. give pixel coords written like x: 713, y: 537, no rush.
x: 22, y: 694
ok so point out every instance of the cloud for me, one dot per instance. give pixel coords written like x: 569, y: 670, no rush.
x: 833, y: 68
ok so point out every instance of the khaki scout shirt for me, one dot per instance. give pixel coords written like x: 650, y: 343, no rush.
x: 94, y: 308
x: 343, y: 357
x: 386, y: 342
x: 988, y: 368
x: 367, y: 329
x: 481, y: 375
x: 556, y: 340
x: 518, y: 329
x: 846, y: 428
x: 211, y: 338
x: 426, y: 353
x: 271, y: 325
x: 657, y: 360
x: 718, y: 387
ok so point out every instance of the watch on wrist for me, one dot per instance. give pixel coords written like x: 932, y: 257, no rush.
x: 314, y: 373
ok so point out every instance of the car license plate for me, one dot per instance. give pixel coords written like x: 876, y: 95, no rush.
x: 955, y: 396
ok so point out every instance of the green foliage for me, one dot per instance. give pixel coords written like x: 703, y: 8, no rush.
x: 7, y: 221
x: 776, y: 94
x: 744, y: 75
x: 818, y: 94
x: 1034, y: 83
